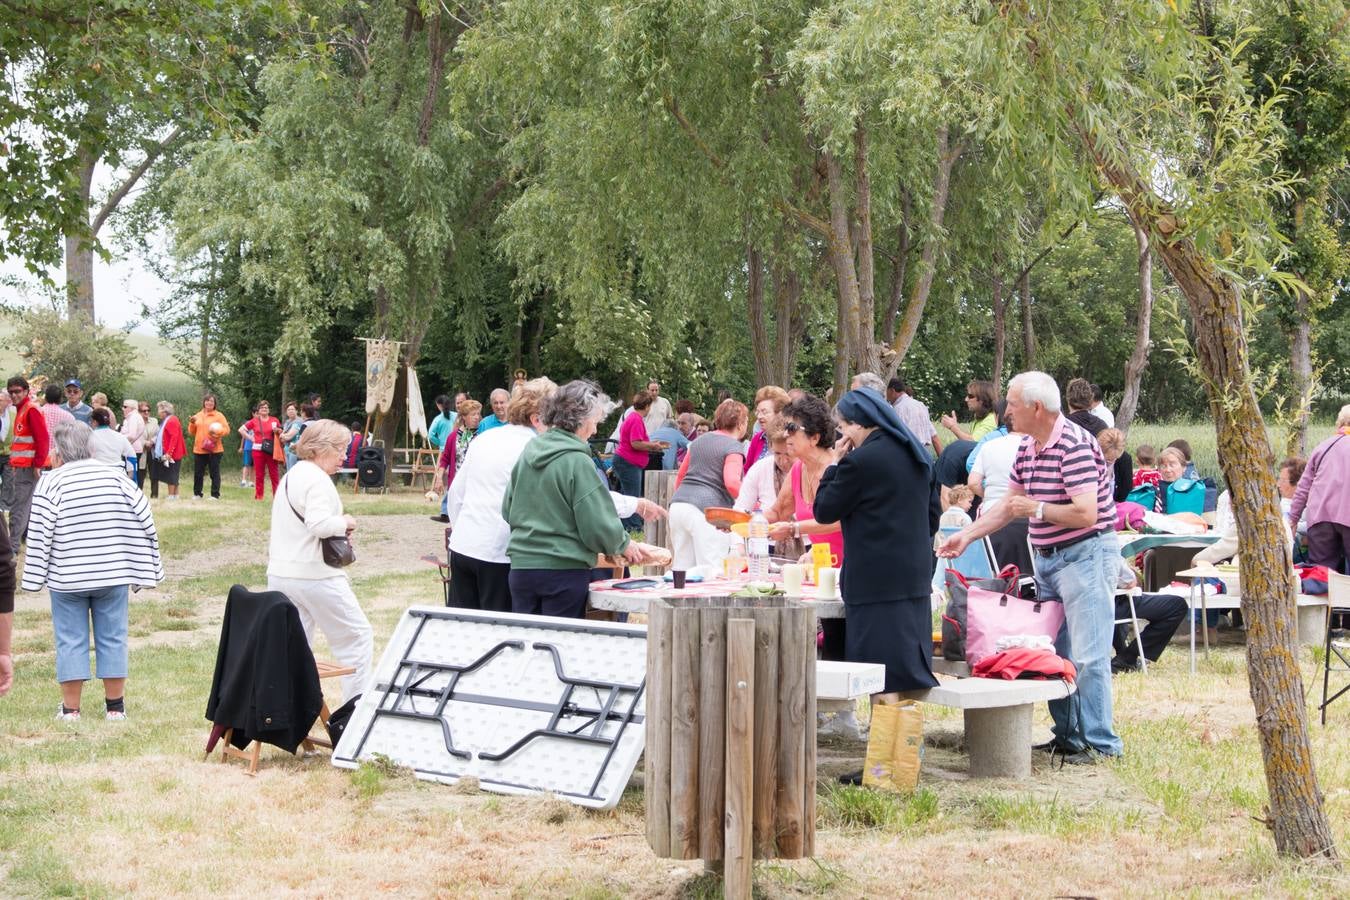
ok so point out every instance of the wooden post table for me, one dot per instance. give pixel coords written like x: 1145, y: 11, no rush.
x: 730, y: 767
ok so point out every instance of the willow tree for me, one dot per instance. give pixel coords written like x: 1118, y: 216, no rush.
x: 355, y: 189
x: 736, y: 148
x: 1134, y: 96
x: 1301, y: 53
x: 89, y: 84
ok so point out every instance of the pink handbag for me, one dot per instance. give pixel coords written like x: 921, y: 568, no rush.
x: 991, y: 615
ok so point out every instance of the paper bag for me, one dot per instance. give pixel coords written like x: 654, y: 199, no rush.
x: 894, y: 747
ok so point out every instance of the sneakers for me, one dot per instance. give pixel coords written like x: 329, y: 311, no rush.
x: 844, y: 724
x: 115, y: 715
x: 63, y: 716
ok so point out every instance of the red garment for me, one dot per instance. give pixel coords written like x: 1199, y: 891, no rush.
x: 450, y: 456
x: 263, y: 462
x: 30, y: 431
x: 1021, y: 662
x: 261, y: 428
x: 757, y: 449
x: 1146, y: 476
x: 174, y: 446
x: 353, y: 448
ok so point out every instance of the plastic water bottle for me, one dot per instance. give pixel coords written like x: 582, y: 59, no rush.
x: 759, y: 547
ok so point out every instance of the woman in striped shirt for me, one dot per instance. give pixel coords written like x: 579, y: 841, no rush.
x: 90, y: 539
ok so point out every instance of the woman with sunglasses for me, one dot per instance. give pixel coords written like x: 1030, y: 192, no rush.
x: 980, y: 399
x: 809, y: 428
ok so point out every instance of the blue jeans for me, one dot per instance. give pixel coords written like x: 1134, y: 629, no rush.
x: 71, y: 613
x: 630, y: 484
x: 1083, y: 576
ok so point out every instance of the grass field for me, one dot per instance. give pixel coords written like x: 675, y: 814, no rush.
x: 119, y: 809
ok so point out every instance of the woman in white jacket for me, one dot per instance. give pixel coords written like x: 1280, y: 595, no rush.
x: 305, y: 509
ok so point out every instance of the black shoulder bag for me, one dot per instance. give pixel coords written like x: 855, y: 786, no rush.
x: 337, y: 551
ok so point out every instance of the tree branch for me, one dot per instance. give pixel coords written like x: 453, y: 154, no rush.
x: 135, y: 175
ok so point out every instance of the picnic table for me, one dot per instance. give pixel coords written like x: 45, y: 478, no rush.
x: 1311, y: 609
x: 605, y: 596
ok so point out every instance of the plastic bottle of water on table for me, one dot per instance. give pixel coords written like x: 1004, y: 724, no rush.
x: 758, y: 547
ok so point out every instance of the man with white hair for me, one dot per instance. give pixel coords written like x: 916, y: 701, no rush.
x: 498, y: 398
x: 1061, y: 482
x: 869, y: 380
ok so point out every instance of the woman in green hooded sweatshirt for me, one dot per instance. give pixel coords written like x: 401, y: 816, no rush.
x: 559, y: 509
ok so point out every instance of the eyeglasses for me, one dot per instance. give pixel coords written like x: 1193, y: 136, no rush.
x: 793, y: 428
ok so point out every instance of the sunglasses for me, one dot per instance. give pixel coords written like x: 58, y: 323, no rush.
x: 793, y: 428
x: 14, y: 392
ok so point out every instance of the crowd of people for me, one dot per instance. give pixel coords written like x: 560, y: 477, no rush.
x: 538, y: 508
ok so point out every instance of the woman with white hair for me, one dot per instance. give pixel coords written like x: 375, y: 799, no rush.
x: 559, y: 510
x: 90, y: 538
x: 1323, y: 498
x: 306, y: 509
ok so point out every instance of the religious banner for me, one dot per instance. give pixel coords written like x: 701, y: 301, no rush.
x: 381, y: 373
x: 417, y: 414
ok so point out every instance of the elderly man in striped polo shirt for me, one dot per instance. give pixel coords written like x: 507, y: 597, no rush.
x: 1061, y: 482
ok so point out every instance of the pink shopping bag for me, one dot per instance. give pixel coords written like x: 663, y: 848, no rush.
x: 991, y: 615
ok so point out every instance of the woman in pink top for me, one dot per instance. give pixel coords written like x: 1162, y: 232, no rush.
x: 631, y: 456
x: 810, y: 439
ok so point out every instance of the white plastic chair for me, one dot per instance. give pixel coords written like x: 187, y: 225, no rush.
x: 1115, y: 623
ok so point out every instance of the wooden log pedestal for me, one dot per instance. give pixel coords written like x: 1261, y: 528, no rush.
x: 658, y: 486
x: 730, y: 766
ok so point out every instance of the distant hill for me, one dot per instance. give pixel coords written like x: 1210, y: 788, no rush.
x: 159, y: 371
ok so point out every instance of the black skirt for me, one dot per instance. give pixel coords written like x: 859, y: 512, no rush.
x: 899, y: 635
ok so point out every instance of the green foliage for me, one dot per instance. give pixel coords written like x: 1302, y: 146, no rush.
x: 58, y: 349
x: 86, y: 79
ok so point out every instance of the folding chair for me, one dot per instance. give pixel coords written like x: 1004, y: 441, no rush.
x: 1115, y: 623
x: 1338, y: 601
x: 253, y: 751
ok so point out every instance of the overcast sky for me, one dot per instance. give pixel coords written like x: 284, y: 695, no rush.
x: 121, y: 285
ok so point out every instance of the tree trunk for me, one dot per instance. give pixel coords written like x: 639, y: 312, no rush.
x: 898, y: 269
x: 1000, y: 331
x: 846, y: 275
x: 1138, y: 361
x: 866, y: 354
x: 760, y: 345
x: 287, y: 385
x: 80, y: 249
x: 1301, y: 375
x: 789, y: 323
x: 1028, y: 327
x: 942, y: 181
x: 1297, y: 817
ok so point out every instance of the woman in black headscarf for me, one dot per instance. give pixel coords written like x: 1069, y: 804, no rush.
x: 882, y: 493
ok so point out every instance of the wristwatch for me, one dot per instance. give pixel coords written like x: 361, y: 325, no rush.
x: 1040, y: 510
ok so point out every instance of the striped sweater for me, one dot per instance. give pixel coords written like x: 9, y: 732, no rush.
x: 90, y: 528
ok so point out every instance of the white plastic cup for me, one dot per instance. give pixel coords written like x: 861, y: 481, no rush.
x: 827, y: 587
x: 792, y: 579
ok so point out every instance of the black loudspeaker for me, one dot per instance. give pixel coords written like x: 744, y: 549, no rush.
x: 368, y: 454
x: 370, y: 473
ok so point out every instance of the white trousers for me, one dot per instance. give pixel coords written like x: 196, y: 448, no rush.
x: 694, y: 541
x: 330, y: 604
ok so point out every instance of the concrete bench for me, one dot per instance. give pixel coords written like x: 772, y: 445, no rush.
x: 997, y: 719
